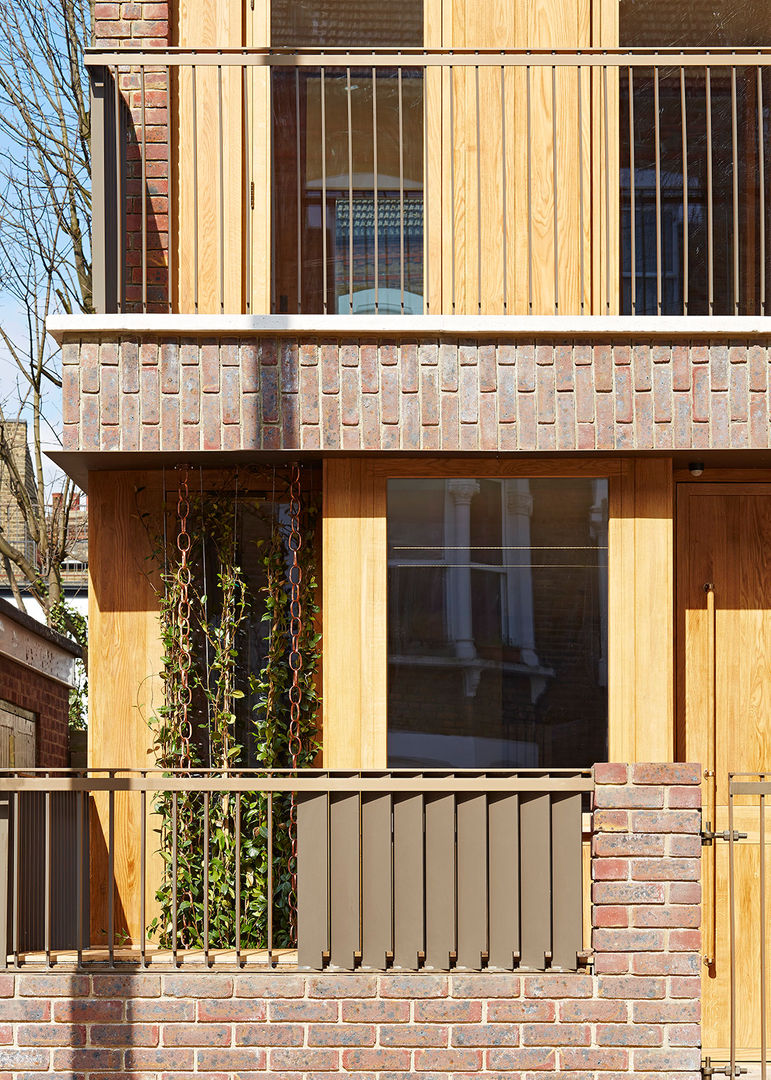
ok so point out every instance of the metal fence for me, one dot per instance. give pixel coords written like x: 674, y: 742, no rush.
x: 407, y: 870
x: 417, y: 181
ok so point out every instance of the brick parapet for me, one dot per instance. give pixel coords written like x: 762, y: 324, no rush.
x: 274, y: 393
x: 637, y: 1014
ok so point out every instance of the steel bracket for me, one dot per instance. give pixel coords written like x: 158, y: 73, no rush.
x: 708, y: 1069
x: 708, y: 835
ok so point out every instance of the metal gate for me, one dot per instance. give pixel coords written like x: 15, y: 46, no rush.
x: 742, y: 921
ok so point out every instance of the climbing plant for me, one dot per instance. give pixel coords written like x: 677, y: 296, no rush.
x: 225, y: 616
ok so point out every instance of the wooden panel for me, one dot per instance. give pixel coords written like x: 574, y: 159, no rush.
x: 354, y: 605
x: 440, y: 881
x: 535, y: 899
x: 344, y: 828
x: 567, y: 872
x: 472, y: 880
x: 124, y: 684
x: 409, y: 888
x: 376, y: 880
x: 312, y: 879
x: 503, y: 818
x: 724, y: 721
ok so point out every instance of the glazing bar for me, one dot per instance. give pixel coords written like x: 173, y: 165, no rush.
x: 684, y: 127
x: 324, y: 298
x: 710, y: 239
x: 350, y: 190
x: 632, y: 213
x: 657, y: 159
x: 143, y: 189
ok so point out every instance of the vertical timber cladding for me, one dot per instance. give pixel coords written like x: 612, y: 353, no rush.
x: 124, y: 687
x: 641, y: 598
x: 541, y: 242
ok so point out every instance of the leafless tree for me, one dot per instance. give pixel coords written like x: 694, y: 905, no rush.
x: 45, y: 260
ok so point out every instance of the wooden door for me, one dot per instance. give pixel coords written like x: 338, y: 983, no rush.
x: 724, y: 722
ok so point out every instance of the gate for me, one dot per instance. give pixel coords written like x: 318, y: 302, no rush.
x: 742, y: 922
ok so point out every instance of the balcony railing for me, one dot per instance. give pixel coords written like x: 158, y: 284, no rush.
x: 431, y: 182
x: 432, y: 870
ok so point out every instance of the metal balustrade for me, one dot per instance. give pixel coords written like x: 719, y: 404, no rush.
x: 404, y: 870
x: 487, y: 182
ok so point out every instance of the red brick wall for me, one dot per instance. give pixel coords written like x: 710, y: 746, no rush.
x: 49, y: 700
x: 638, y: 1012
x: 268, y: 393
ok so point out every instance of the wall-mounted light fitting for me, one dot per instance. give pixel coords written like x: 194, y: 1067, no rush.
x: 696, y: 468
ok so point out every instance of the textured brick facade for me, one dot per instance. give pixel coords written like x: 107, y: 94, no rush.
x: 638, y: 1013
x: 269, y: 393
x: 49, y: 700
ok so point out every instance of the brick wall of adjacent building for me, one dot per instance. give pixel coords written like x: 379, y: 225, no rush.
x: 49, y: 700
x: 274, y: 393
x: 637, y: 1013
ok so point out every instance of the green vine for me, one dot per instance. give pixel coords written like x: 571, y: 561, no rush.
x: 68, y: 621
x: 240, y: 719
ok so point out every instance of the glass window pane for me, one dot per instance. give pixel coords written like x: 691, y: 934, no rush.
x: 497, y: 622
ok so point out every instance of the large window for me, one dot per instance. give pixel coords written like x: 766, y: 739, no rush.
x: 497, y: 622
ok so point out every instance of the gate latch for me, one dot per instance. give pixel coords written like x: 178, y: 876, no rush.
x: 708, y: 1069
x: 707, y: 835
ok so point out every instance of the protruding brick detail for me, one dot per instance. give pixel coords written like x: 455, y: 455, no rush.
x: 267, y: 393
x: 637, y: 1013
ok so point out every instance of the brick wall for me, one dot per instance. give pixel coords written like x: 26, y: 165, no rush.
x: 638, y: 1013
x: 269, y: 393
x: 49, y: 700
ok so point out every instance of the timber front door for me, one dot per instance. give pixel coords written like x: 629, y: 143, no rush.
x: 724, y: 722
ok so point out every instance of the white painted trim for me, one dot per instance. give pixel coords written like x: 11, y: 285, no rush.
x: 498, y: 326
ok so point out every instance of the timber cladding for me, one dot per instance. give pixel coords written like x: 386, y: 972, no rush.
x: 639, y: 1011
x: 268, y: 393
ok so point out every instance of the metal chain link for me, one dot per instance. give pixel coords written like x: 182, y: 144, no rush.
x: 295, y: 666
x: 184, y: 692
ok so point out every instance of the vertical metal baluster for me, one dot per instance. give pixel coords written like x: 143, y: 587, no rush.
x: 632, y: 209
x: 555, y: 187
x: 298, y: 154
x: 323, y: 196
x: 15, y: 896
x: 607, y: 186
x: 426, y: 299
x: 401, y: 186
x: 174, y: 859
x: 350, y: 191
x: 735, y: 189
x: 247, y: 188
x: 270, y: 879
x: 221, y: 142
x: 118, y: 190
x: 206, y: 878
x: 684, y: 128
x: 169, y: 202
x: 111, y: 873
x: 238, y: 879
x: 47, y: 885
x: 143, y: 874
x: 710, y: 242
x: 375, y: 184
x: 452, y: 186
x: 143, y: 187
x: 79, y: 891
x: 763, y: 932
x: 762, y: 193
x: 732, y: 916
x: 195, y: 188
x: 529, y: 152
x: 479, y: 192
x: 657, y: 160
x: 581, y: 190
x: 504, y: 193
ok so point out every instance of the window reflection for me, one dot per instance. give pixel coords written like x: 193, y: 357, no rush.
x: 497, y: 622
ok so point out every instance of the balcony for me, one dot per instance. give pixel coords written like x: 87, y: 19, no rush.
x: 620, y: 182
x: 433, y: 870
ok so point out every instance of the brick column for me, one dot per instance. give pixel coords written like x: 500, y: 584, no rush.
x: 646, y: 912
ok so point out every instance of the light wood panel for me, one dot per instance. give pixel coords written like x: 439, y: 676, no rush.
x: 124, y: 687
x: 724, y: 721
